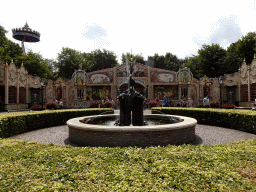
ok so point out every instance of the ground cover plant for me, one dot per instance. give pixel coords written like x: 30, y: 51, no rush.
x: 28, y: 166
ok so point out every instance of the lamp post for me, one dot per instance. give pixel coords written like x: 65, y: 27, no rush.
x: 221, y: 82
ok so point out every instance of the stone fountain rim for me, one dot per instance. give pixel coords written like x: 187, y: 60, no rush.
x: 185, y: 123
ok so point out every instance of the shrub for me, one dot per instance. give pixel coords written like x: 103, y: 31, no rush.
x: 228, y: 106
x: 37, y: 108
x: 20, y: 122
x: 214, y: 104
x: 152, y: 104
x: 95, y: 105
x: 51, y: 105
x: 230, y: 118
x: 108, y: 104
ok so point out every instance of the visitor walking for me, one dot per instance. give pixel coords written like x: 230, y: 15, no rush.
x: 157, y: 100
x: 165, y: 102
x: 206, y: 102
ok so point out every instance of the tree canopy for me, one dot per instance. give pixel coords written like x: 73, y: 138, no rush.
x: 211, y: 60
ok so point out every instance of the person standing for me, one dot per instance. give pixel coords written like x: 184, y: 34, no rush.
x: 206, y: 102
x: 61, y: 104
x: 157, y: 100
x: 165, y: 102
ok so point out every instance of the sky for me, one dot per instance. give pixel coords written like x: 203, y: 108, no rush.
x: 144, y: 27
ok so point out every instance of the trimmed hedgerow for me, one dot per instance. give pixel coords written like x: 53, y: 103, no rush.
x: 15, y: 123
x: 230, y: 118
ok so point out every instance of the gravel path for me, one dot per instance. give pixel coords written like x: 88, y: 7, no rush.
x: 205, y: 134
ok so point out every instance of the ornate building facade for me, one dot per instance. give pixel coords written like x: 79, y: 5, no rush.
x: 19, y: 90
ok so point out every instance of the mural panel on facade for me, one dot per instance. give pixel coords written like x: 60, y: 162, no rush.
x: 101, y: 77
x: 98, y: 92
x: 163, y: 77
x: 170, y: 91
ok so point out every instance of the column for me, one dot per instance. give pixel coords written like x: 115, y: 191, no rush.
x: 18, y: 88
x: 26, y: 87
x: 239, y: 88
x: 179, y: 89
x: 249, y: 86
x: 84, y: 93
x: 6, y: 86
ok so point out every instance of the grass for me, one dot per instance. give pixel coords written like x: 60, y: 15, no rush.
x: 29, y: 166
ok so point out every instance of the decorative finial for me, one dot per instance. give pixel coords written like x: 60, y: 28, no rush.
x: 6, y: 63
x: 22, y: 63
x: 12, y: 61
x: 80, y: 66
x: 254, y: 55
x: 244, y: 59
x: 26, y: 25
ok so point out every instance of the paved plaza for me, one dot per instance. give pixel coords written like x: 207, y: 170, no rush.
x: 205, y: 134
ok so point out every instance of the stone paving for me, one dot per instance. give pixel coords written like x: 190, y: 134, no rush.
x: 205, y: 134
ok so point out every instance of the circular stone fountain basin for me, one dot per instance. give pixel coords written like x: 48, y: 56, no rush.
x: 83, y: 134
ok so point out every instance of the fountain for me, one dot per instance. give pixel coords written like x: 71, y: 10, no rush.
x: 129, y: 128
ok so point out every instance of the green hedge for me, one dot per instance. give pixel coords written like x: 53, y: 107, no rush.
x: 16, y: 123
x: 230, y: 118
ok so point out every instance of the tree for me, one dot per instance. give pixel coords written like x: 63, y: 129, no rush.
x: 68, y: 61
x: 211, y: 60
x: 8, y: 49
x: 138, y: 57
x: 169, y: 61
x: 159, y: 61
x: 101, y: 59
x: 35, y: 65
x: 246, y: 47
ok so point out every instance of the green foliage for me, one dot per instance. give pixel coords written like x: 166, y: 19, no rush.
x: 102, y: 59
x: 246, y: 47
x: 34, y: 63
x: 15, y: 123
x: 8, y: 49
x: 28, y: 166
x: 69, y: 60
x: 138, y: 57
x: 230, y: 118
x: 169, y: 61
x: 211, y: 60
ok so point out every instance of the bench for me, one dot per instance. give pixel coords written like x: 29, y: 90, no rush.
x: 17, y: 110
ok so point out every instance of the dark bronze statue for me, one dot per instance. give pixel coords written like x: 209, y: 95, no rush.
x: 131, y: 105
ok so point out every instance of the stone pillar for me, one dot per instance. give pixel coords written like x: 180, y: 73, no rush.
x: 189, y: 90
x: 76, y: 93
x: 150, y: 92
x: 179, y: 90
x: 84, y: 93
x: 27, y: 87
x: 239, y: 88
x: 6, y: 85
x: 113, y: 92
x: 249, y: 85
x: 18, y: 88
